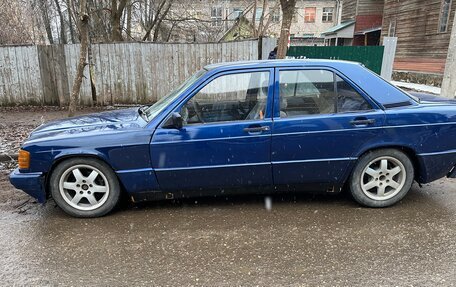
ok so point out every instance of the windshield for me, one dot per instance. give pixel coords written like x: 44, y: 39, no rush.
x: 153, y: 110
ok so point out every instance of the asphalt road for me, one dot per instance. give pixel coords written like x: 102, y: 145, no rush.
x: 304, y: 240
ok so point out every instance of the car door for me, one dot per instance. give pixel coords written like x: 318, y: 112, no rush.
x: 225, y: 141
x: 322, y: 120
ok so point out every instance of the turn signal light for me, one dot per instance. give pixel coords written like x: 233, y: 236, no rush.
x: 23, y: 159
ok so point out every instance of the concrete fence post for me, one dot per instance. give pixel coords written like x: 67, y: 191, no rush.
x: 268, y: 44
x: 389, y: 53
x: 449, y: 77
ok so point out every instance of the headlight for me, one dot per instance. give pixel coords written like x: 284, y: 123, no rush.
x: 23, y: 159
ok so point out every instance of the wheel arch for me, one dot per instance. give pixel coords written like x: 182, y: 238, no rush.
x: 407, y: 150
x: 67, y: 156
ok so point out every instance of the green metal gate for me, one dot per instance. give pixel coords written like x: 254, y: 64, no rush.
x: 370, y: 56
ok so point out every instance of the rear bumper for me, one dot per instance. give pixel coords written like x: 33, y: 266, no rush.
x: 30, y: 183
x: 452, y: 173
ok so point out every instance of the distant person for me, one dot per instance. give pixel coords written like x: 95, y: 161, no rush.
x: 273, y: 54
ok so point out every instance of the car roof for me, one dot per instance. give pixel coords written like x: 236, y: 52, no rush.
x: 279, y: 63
x: 383, y: 92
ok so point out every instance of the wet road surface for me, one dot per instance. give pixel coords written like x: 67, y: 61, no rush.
x: 303, y: 240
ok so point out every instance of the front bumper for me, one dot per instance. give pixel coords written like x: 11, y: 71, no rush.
x: 30, y: 183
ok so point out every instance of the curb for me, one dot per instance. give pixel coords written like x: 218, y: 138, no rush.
x: 8, y: 157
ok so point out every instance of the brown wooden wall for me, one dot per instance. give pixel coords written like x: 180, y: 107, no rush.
x: 353, y: 8
x: 370, y: 7
x: 420, y: 46
x: 349, y: 10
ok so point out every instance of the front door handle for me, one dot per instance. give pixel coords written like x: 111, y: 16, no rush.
x: 256, y: 129
x: 362, y: 122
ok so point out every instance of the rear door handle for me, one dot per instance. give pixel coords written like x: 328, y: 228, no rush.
x: 256, y: 129
x: 362, y: 122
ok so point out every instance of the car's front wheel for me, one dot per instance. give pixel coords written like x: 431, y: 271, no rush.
x: 381, y: 178
x: 84, y: 187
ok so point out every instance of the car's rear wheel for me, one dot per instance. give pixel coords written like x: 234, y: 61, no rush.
x: 84, y: 187
x: 381, y: 178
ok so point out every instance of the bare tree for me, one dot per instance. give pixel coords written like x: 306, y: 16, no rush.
x: 63, y: 39
x: 70, y: 20
x: 117, y: 9
x: 156, y: 16
x: 83, y: 21
x: 17, y: 25
x: 288, y: 8
x: 45, y: 9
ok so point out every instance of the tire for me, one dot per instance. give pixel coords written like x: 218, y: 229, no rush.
x: 84, y: 187
x: 381, y: 178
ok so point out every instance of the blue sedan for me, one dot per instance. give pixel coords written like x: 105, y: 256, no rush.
x: 248, y: 127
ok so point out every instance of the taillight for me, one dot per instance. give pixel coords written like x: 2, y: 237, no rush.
x: 23, y: 159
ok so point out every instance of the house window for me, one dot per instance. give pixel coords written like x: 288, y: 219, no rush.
x: 216, y: 16
x: 444, y: 16
x: 258, y: 13
x: 309, y: 14
x: 328, y: 13
x: 237, y: 12
x: 392, y: 28
x: 275, y: 15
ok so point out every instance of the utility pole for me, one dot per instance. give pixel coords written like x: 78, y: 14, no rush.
x: 449, y: 77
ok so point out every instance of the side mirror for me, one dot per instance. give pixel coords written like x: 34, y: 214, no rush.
x: 174, y: 122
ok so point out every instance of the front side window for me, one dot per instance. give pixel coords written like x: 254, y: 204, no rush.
x: 328, y: 14
x: 313, y: 92
x: 234, y: 97
x: 444, y: 16
x: 309, y: 14
x: 153, y: 110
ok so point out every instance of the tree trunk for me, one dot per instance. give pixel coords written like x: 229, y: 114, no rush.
x: 160, y: 20
x: 449, y: 77
x: 84, y: 33
x: 116, y: 15
x: 154, y: 21
x: 255, y: 4
x: 46, y: 21
x: 63, y: 39
x: 259, y: 32
x: 70, y: 21
x: 288, y: 7
x: 129, y: 8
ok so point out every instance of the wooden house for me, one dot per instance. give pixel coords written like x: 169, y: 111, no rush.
x: 360, y: 23
x: 423, y: 28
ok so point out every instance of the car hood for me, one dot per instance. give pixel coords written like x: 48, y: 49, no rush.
x: 104, y: 122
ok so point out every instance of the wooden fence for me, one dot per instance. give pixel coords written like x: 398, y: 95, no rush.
x: 121, y: 73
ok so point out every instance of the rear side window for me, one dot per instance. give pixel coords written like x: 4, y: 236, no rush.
x: 310, y: 92
x: 348, y: 99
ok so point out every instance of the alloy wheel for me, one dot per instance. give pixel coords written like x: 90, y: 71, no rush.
x: 383, y: 178
x: 84, y: 187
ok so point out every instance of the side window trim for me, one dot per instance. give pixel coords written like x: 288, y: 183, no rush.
x: 276, y: 105
x: 196, y: 90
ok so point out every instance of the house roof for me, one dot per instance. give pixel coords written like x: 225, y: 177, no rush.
x: 339, y: 27
x: 369, y: 30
